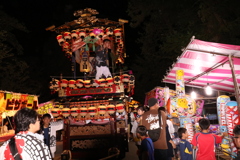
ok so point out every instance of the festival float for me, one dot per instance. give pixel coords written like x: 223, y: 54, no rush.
x: 94, y: 106
x: 208, y: 65
x: 10, y: 103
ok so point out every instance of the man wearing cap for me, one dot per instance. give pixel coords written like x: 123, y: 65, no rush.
x: 150, y: 120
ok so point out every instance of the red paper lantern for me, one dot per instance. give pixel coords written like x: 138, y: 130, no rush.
x: 102, y: 109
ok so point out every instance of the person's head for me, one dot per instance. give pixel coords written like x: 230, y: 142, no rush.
x: 106, y: 43
x: 204, y: 123
x: 236, y: 138
x: 153, y: 103
x: 163, y: 109
x: 26, y: 120
x: 140, y: 110
x: 141, y: 131
x: 182, y: 133
x: 46, y: 118
x: 130, y: 109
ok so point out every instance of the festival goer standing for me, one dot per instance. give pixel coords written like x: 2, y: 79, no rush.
x: 150, y: 120
x: 26, y: 144
x: 205, y: 141
x: 185, y: 146
x: 49, y: 129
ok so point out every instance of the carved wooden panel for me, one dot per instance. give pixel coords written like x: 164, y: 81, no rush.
x: 90, y: 130
x: 89, y: 144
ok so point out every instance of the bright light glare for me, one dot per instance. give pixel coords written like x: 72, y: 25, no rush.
x: 193, y: 95
x: 208, y: 90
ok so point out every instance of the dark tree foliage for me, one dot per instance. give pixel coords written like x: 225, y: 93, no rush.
x: 14, y: 71
x: 167, y: 27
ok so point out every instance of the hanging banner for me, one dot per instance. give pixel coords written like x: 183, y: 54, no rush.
x: 16, y: 101
x: 180, y: 87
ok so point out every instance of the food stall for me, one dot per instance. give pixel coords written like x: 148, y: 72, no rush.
x: 10, y: 103
x: 209, y: 65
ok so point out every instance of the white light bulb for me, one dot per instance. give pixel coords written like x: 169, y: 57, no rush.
x: 193, y: 95
x: 208, y: 90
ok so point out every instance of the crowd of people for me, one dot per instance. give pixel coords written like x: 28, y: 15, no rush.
x: 156, y: 121
x: 151, y: 129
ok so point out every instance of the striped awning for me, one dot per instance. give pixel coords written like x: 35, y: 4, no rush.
x: 207, y: 63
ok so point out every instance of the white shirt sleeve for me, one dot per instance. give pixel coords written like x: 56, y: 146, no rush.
x: 170, y: 127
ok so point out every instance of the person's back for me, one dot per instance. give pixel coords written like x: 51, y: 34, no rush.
x: 146, y: 150
x: 184, y: 145
x: 150, y: 120
x: 205, y: 141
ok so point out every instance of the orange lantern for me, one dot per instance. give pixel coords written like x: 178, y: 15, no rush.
x: 74, y: 112
x: 65, y: 112
x: 82, y: 34
x: 83, y: 112
x: 94, y: 83
x: 64, y: 83
x: 111, y: 109
x: 74, y: 34
x: 102, y: 82
x: 125, y: 78
x: 117, y: 80
x: 55, y: 112
x: 102, y: 110
x: 92, y: 111
x: 87, y: 83
x: 109, y: 81
x: 71, y: 84
x: 60, y: 40
x: 67, y: 35
x: 79, y: 83
x: 109, y: 32
x: 120, y: 108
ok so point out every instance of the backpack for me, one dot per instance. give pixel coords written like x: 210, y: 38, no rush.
x: 155, y: 133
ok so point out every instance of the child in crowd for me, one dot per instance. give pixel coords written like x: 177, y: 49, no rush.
x: 185, y: 146
x: 140, y: 111
x: 146, y: 150
x: 205, y: 141
x: 49, y: 129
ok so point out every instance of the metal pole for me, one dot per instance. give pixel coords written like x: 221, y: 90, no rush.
x: 234, y: 82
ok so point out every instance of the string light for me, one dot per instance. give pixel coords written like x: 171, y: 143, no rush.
x: 193, y: 95
x: 208, y: 90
